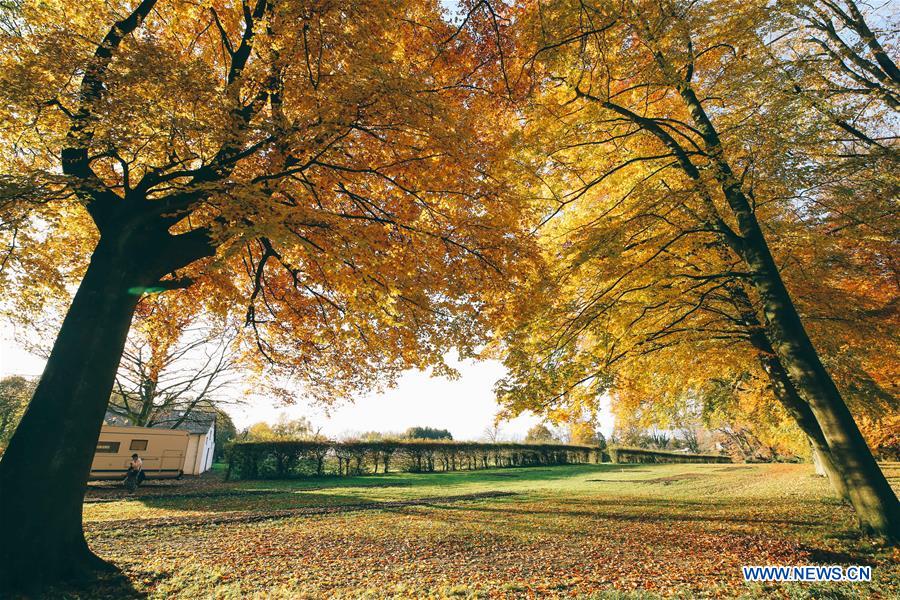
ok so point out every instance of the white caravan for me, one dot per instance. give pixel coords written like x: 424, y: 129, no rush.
x: 162, y: 450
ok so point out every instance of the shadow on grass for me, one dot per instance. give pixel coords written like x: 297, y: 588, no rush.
x: 268, y: 514
x: 444, y: 478
x: 150, y: 498
x: 655, y: 480
x: 829, y: 557
x: 266, y: 494
x: 273, y: 487
x: 103, y: 586
x: 657, y: 511
x: 262, y: 500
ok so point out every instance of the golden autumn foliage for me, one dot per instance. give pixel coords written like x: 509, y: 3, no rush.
x: 583, y: 433
x: 345, y: 172
x: 883, y: 435
x: 332, y: 174
x: 684, y: 203
x: 679, y: 390
x: 641, y: 291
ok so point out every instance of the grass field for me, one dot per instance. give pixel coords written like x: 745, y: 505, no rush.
x: 589, y: 531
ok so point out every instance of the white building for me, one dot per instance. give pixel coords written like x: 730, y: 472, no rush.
x: 201, y: 443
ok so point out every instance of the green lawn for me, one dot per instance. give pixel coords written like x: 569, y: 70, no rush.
x: 590, y: 531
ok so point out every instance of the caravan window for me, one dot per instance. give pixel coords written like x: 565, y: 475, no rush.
x: 108, y: 447
x: 138, y: 445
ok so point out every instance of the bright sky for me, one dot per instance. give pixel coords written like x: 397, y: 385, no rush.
x: 465, y: 406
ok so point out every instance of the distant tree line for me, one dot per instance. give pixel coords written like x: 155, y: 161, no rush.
x: 641, y: 455
x: 428, y: 433
x: 279, y: 459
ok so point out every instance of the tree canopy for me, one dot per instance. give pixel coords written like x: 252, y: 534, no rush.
x: 682, y: 203
x: 324, y: 171
x: 692, y: 160
x: 299, y: 165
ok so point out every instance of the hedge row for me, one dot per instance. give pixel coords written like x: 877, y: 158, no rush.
x: 255, y: 460
x: 640, y: 455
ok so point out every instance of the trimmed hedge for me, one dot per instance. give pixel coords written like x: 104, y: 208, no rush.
x: 642, y: 455
x: 283, y: 459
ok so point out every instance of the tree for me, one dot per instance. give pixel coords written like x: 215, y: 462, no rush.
x: 284, y: 429
x: 15, y: 392
x: 173, y: 365
x: 682, y: 390
x: 658, y: 439
x: 225, y: 432
x: 493, y: 434
x: 260, y: 431
x: 628, y: 433
x: 584, y: 433
x: 377, y: 436
x: 427, y: 433
x: 540, y: 434
x: 293, y: 429
x: 838, y: 54
x: 315, y: 166
x: 690, y: 439
x: 671, y: 188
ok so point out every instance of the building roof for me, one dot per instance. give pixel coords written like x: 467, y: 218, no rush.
x: 196, y: 422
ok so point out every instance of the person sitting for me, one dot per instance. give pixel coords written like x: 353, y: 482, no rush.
x: 136, y: 465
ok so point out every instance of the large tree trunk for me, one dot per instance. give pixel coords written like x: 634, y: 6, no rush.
x: 784, y: 391
x: 873, y: 499
x: 45, y: 467
x: 868, y: 491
